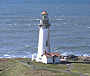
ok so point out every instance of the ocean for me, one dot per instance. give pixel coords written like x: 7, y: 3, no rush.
x: 69, y: 30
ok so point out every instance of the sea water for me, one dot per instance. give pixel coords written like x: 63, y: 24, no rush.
x: 19, y: 30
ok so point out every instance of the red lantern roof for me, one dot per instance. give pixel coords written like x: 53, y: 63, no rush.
x: 44, y: 12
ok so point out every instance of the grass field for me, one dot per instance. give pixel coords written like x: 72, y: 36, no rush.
x: 13, y: 67
x: 82, y: 67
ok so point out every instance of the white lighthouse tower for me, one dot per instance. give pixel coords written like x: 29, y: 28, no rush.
x: 44, y: 54
x: 44, y: 38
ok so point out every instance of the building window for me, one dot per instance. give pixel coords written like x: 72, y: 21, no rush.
x: 46, y: 26
x: 46, y: 43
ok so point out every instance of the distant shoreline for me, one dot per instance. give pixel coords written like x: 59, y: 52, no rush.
x: 79, y: 58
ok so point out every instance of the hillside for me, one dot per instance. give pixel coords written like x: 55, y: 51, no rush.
x: 21, y: 67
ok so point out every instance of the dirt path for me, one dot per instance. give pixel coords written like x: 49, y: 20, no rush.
x: 37, y: 67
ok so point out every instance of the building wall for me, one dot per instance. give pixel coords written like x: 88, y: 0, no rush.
x: 39, y: 59
x: 44, y: 59
x: 49, y: 60
x: 57, y: 60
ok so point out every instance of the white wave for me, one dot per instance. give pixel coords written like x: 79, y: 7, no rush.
x: 71, y: 53
x: 23, y: 54
x: 59, y: 19
x: 75, y: 24
x: 9, y: 57
x: 37, y: 19
x: 26, y: 45
x: 27, y: 25
x: 64, y: 23
x: 1, y: 57
x: 35, y: 55
x: 15, y: 23
x: 87, y: 27
x: 86, y: 55
x: 8, y: 19
x: 55, y: 48
x: 67, y: 53
x: 34, y: 19
x: 56, y: 19
x: 30, y: 20
x: 6, y: 55
x: 9, y: 24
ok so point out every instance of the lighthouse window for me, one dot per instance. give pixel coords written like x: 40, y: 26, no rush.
x: 46, y: 26
x: 44, y: 16
x: 46, y: 43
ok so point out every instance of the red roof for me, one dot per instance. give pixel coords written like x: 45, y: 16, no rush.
x: 44, y: 12
x: 52, y: 54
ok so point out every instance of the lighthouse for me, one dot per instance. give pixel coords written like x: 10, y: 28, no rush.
x: 44, y: 54
x: 44, y: 34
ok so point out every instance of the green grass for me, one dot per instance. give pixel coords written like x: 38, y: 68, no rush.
x: 13, y: 67
x: 21, y: 59
x: 51, y: 66
x: 58, y: 73
x: 81, y: 68
x: 65, y: 74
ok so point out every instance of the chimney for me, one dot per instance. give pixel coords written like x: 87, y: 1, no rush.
x: 44, y: 51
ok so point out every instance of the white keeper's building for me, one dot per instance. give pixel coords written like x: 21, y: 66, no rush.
x: 44, y: 54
